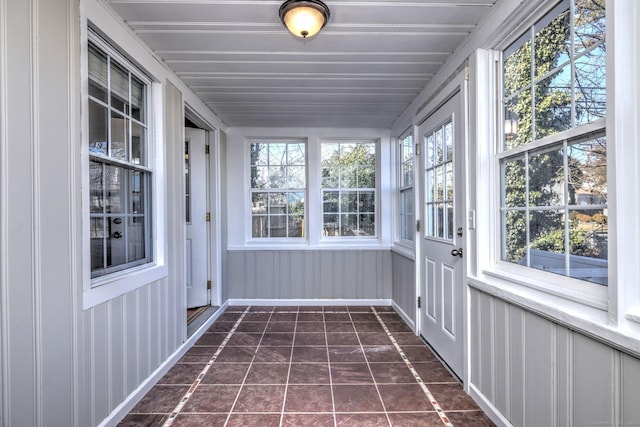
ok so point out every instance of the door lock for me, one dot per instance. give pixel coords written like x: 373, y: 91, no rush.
x: 457, y: 252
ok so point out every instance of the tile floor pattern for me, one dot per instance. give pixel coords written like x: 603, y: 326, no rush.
x: 307, y: 366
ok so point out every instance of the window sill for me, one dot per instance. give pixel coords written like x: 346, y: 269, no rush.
x: 404, y: 249
x: 585, y: 319
x: 114, y: 285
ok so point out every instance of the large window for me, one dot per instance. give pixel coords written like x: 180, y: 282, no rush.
x: 553, y: 160
x: 406, y: 188
x: 349, y: 188
x: 119, y: 171
x: 278, y: 189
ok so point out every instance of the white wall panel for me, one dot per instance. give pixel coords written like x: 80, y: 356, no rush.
x: 404, y: 285
x: 542, y: 373
x: 320, y: 274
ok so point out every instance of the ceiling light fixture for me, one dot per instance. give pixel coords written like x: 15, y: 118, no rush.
x: 304, y: 18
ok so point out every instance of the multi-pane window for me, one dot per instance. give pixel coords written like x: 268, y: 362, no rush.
x: 406, y: 188
x: 278, y: 188
x: 439, y: 173
x: 553, y: 160
x: 349, y: 188
x: 119, y: 172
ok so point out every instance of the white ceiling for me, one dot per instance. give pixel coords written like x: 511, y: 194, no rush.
x: 362, y: 70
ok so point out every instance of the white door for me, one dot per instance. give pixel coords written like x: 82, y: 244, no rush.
x: 442, y: 246
x: 197, y: 248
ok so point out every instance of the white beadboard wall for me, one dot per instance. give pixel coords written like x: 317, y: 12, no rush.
x: 403, y: 286
x: 309, y: 274
x: 538, y: 373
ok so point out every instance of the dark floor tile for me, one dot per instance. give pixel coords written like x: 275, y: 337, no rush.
x: 284, y: 317
x: 339, y: 327
x: 407, y: 338
x: 452, y: 397
x: 368, y: 327
x: 422, y: 419
x: 200, y: 420
x: 342, y: 338
x: 212, y: 398
x: 281, y: 326
x: 308, y: 398
x: 309, y: 354
x: 182, y: 373
x: 244, y: 339
x: 229, y: 316
x: 260, y: 398
x: 254, y: 420
x: 361, y: 420
x: 356, y: 398
x: 226, y: 373
x: 397, y: 327
x: 160, y: 399
x: 392, y: 373
x: 469, y: 418
x: 307, y: 420
x: 310, y: 339
x: 236, y: 354
x: 336, y: 309
x: 310, y: 317
x: 404, y: 397
x: 273, y: 354
x: 384, y: 308
x: 277, y: 339
x: 382, y: 353
x: 310, y: 327
x: 350, y: 373
x: 223, y: 327
x: 433, y: 372
x: 418, y: 353
x: 144, y: 420
x: 286, y: 308
x: 374, y: 338
x: 364, y: 317
x: 337, y: 317
x: 257, y: 317
x: 346, y: 354
x: 198, y: 355
x: 359, y: 309
x: 308, y: 308
x: 261, y: 308
x: 236, y: 308
x: 309, y: 373
x: 211, y: 339
x: 390, y: 317
x: 257, y: 327
x: 268, y: 373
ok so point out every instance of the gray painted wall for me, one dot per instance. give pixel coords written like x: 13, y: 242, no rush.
x: 538, y: 373
x: 403, y: 286
x: 309, y: 274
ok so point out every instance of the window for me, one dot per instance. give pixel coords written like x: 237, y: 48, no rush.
x: 439, y: 182
x: 406, y: 188
x: 349, y: 188
x: 278, y: 189
x: 553, y: 159
x: 119, y: 172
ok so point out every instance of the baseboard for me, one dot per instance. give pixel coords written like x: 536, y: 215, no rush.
x: 492, y: 412
x: 132, y: 400
x: 410, y: 322
x: 308, y: 302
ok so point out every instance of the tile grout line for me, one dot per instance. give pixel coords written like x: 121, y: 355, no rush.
x: 366, y: 359
x: 286, y: 386
x: 443, y: 416
x: 246, y: 375
x: 333, y: 398
x: 194, y: 386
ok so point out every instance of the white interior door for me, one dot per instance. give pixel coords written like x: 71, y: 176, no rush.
x: 197, y: 248
x: 441, y: 175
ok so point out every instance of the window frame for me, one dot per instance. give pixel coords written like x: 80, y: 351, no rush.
x: 376, y: 191
x: 113, y: 284
x: 409, y: 187
x: 573, y: 289
x: 250, y: 216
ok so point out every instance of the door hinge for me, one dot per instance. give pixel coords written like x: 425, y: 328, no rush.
x: 209, y: 285
x: 418, y: 226
x: 206, y: 149
x: 208, y: 216
x: 417, y: 149
x: 419, y: 303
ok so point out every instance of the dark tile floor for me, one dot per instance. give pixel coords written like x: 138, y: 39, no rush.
x: 307, y: 366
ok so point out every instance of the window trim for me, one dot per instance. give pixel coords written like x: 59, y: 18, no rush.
x: 104, y: 288
x: 249, y: 221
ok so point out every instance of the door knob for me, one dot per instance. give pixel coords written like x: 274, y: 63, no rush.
x: 457, y: 252
x: 117, y: 235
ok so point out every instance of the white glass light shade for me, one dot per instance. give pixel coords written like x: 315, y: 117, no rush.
x: 304, y: 18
